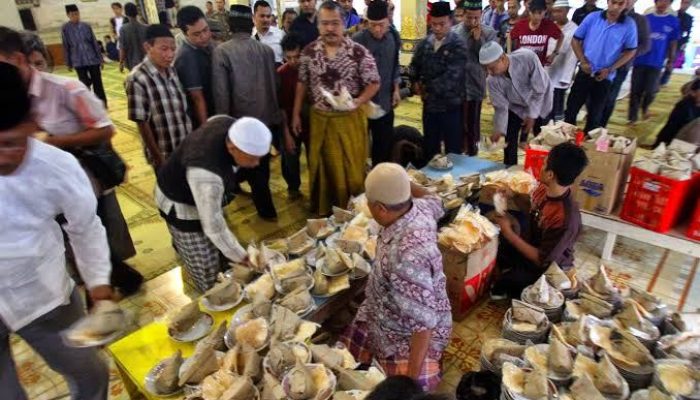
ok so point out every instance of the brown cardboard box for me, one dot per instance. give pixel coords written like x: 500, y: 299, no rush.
x: 468, y: 276
x: 601, y: 185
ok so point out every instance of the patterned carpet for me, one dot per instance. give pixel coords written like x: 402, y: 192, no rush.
x: 666, y: 274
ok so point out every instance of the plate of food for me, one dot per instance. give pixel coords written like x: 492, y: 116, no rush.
x: 163, y: 379
x: 441, y: 163
x: 190, y: 324
x: 223, y: 295
x: 102, y: 326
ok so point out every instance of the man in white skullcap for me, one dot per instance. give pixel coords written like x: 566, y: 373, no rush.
x: 197, y: 181
x: 405, y: 321
x: 521, y: 93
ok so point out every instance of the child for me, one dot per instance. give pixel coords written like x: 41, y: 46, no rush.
x: 554, y: 225
x: 291, y: 143
x: 111, y: 49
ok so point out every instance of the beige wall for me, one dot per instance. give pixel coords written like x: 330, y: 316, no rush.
x: 9, y: 16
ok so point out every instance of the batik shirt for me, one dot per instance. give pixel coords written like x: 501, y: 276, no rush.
x: 353, y: 68
x: 406, y: 291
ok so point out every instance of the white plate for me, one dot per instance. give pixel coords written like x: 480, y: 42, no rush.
x: 150, y: 381
x: 223, y: 307
x: 199, y: 330
x: 80, y: 344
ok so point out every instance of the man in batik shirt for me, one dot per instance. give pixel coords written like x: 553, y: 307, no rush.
x: 405, y: 320
x: 338, y: 137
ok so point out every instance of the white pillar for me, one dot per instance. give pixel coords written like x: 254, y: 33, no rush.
x: 9, y: 16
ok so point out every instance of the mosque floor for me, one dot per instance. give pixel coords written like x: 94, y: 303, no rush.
x: 664, y: 273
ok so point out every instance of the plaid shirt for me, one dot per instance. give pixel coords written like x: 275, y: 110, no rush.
x: 160, y: 101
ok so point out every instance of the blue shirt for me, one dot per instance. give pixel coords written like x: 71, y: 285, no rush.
x: 80, y: 45
x: 603, y: 43
x: 664, y: 30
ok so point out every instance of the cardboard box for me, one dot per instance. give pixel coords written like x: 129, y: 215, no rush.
x: 601, y: 185
x: 468, y: 276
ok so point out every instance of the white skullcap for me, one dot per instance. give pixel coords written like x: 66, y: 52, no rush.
x: 388, y: 184
x: 250, y: 136
x: 561, y: 4
x: 490, y: 52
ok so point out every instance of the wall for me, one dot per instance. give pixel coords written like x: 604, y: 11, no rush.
x: 9, y: 16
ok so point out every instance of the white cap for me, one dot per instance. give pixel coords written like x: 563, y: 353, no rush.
x: 388, y: 184
x: 251, y: 136
x: 490, y: 52
x: 561, y: 4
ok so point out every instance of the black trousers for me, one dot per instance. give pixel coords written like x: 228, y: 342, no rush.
x: 472, y: 127
x: 259, y: 180
x: 645, y: 85
x: 91, y: 76
x: 587, y: 90
x: 557, y: 113
x: 382, y: 131
x: 510, y: 153
x: 517, y: 272
x: 612, y: 95
x: 439, y: 126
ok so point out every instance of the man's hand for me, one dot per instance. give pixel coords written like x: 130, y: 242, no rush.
x: 296, y: 124
x: 289, y: 145
x: 551, y: 57
x: 496, y: 136
x: 102, y: 292
x: 528, y: 124
x: 121, y: 67
x: 504, y: 223
x: 586, y: 67
x: 602, y: 74
x: 395, y: 98
x: 476, y: 32
x: 417, y: 89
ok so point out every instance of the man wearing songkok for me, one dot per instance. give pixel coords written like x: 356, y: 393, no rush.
x: 553, y: 228
x: 561, y: 70
x: 521, y: 94
x: 475, y: 34
x: 384, y: 42
x: 340, y: 77
x: 38, y: 299
x: 197, y: 181
x: 156, y: 101
x: 437, y: 75
x: 405, y: 320
x: 246, y: 86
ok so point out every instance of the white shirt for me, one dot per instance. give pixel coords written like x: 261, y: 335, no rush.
x: 272, y: 38
x: 33, y: 276
x: 561, y: 71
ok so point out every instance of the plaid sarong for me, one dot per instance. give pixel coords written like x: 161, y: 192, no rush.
x: 202, y: 259
x: 355, y: 338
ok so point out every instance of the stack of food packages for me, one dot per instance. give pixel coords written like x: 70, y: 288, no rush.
x: 552, y: 134
x: 453, y: 193
x: 468, y: 232
x: 677, y: 161
x: 265, y: 352
x: 609, y: 345
x: 518, y: 181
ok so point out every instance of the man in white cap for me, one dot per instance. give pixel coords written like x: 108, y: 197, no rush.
x: 197, y: 181
x: 561, y: 70
x: 521, y: 93
x: 405, y: 320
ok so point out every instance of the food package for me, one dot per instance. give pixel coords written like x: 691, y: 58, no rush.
x: 494, y: 347
x: 440, y: 161
x: 243, y: 360
x: 242, y: 274
x: 272, y: 389
x: 319, y: 228
x: 373, y: 110
x: 285, y: 323
x: 591, y: 305
x: 283, y: 356
x: 544, y: 295
x: 289, y: 269
x: 215, y: 339
x: 468, y: 232
x: 301, y: 383
x: 537, y: 355
x: 621, y: 346
x: 370, y: 248
x: 320, y: 283
x: 298, y: 301
x: 559, y: 359
x: 342, y: 216
x: 105, y: 319
x: 224, y: 292
x: 360, y: 264
x: 303, y: 281
x: 678, y: 379
x: 355, y: 233
x: 584, y: 389
x: 334, y: 262
x: 500, y: 203
x: 517, y: 180
x: 556, y: 277
x: 629, y: 317
x: 359, y: 380
x: 646, y: 301
x: 254, y: 333
x: 343, y: 101
x: 203, y: 363
x: 606, y: 142
x: 526, y: 317
x: 261, y: 308
x: 324, y: 354
x: 276, y: 245
x: 536, y: 386
x: 242, y: 388
x: 300, y: 242
x: 607, y: 378
x: 214, y: 385
x: 185, y: 319
x: 263, y: 287
x: 167, y: 380
x: 584, y: 366
x: 675, y: 162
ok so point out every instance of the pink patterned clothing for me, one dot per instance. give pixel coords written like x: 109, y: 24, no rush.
x: 406, y: 291
x: 353, y: 67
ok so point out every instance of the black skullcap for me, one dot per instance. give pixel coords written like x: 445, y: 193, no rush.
x: 71, y: 8
x: 440, y: 9
x: 537, y: 5
x: 472, y: 5
x: 240, y: 11
x: 14, y: 102
x: 158, y: 31
x: 377, y: 10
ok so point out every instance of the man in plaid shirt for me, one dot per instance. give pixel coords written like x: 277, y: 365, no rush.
x: 156, y: 101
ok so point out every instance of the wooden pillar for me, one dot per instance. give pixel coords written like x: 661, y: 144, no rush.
x: 413, y: 23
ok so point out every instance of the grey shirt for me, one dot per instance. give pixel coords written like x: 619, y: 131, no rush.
x: 525, y: 90
x: 475, y: 74
x: 246, y: 80
x: 386, y: 55
x: 193, y: 65
x: 132, y: 36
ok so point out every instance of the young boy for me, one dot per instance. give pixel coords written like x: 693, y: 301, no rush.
x: 554, y: 225
x: 111, y: 49
x: 291, y: 143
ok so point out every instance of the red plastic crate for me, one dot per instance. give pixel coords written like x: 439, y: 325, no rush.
x: 653, y: 201
x: 694, y: 228
x: 534, y: 159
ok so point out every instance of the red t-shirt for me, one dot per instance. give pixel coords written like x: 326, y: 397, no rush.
x: 288, y: 86
x: 536, y: 40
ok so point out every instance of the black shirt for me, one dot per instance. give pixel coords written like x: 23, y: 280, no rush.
x: 684, y: 112
x: 307, y: 30
x: 581, y: 13
x: 193, y: 65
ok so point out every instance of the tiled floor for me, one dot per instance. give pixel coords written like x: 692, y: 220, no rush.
x: 666, y: 274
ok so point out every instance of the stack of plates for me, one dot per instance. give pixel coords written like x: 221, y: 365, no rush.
x: 657, y: 381
x: 489, y: 346
x: 537, y: 336
x: 553, y: 310
x: 639, y: 377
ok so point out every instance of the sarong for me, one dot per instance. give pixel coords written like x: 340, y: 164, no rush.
x: 203, y: 261
x: 337, y: 158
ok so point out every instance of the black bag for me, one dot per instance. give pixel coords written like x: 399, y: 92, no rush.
x: 104, y: 164
x: 481, y: 385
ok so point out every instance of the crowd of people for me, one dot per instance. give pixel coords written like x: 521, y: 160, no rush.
x: 212, y: 100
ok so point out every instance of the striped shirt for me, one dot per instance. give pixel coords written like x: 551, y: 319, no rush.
x: 159, y: 100
x: 80, y: 47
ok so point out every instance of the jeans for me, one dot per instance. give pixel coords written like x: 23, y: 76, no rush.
x: 472, y: 127
x: 444, y: 126
x: 645, y: 85
x: 587, y: 90
x: 91, y: 76
x: 382, y: 131
x: 612, y: 95
x: 557, y: 113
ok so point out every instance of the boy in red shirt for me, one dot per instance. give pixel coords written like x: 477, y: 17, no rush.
x: 291, y: 143
x: 535, y: 31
